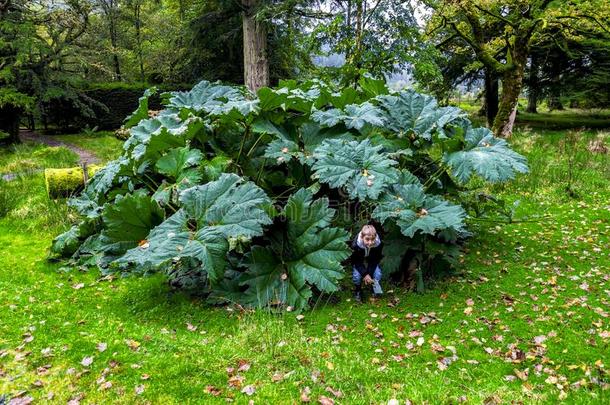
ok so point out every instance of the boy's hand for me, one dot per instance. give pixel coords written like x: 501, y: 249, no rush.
x: 368, y: 280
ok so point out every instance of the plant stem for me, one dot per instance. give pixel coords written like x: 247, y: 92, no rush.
x: 241, y: 147
x: 284, y: 192
x: 254, y: 146
x: 152, y: 181
x: 433, y: 177
x: 260, y: 172
x: 426, y: 165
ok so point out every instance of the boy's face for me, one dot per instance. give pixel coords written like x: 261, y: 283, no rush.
x: 369, y: 239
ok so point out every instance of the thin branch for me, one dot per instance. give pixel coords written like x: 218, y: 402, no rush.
x: 442, y: 25
x: 485, y: 58
x: 312, y: 14
x: 585, y: 16
x: 370, y: 13
x: 499, y: 17
x: 446, y: 41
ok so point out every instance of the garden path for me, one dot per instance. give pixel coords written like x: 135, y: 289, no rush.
x: 84, y: 156
x: 26, y: 135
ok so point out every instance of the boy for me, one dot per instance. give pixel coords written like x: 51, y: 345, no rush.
x: 366, y: 254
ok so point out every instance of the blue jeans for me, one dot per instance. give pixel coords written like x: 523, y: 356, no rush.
x: 357, y: 277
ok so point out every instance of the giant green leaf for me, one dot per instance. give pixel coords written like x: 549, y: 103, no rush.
x: 301, y: 143
x: 87, y: 204
x: 363, y: 169
x: 180, y: 165
x: 415, y: 211
x: 485, y: 155
x: 230, y: 205
x: 409, y: 112
x: 395, y: 245
x: 300, y: 97
x: 177, y: 162
x: 210, y: 214
x: 152, y: 137
x: 346, y: 96
x: 141, y: 113
x: 213, y: 168
x: 129, y: 220
x: 354, y: 116
x: 141, y: 132
x: 205, y: 96
x: 318, y: 257
x: 270, y: 99
x: 304, y: 215
x: 265, y: 126
x: 269, y: 283
x: 174, y: 240
x: 306, y: 252
x: 68, y: 242
x: 284, y: 150
x: 105, y: 178
x: 371, y: 86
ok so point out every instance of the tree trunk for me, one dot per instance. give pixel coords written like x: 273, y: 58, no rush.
x: 483, y: 110
x: 256, y: 64
x: 512, y: 82
x: 117, y: 67
x: 181, y: 9
x: 555, y: 87
x: 358, y: 37
x: 115, y: 56
x: 9, y: 123
x: 4, y: 7
x: 354, y: 53
x: 138, y: 25
x: 349, y: 14
x: 491, y: 96
x: 532, y: 101
x: 533, y: 87
x: 348, y: 21
x: 111, y: 10
x: 555, y: 96
x: 359, y: 19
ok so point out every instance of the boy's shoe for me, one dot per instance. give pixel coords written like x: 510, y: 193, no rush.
x: 377, y: 296
x: 357, y: 296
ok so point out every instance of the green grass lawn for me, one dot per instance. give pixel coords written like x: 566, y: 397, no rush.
x: 525, y: 318
x: 569, y: 118
x: 566, y: 119
x: 103, y: 143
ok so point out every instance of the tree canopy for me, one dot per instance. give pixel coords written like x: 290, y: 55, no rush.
x: 501, y: 34
x: 52, y: 49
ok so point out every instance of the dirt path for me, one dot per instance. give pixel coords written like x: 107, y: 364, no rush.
x: 84, y: 156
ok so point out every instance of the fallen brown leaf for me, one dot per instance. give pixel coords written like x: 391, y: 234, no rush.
x: 305, y: 394
x: 248, y: 390
x: 212, y: 390
x: 323, y: 400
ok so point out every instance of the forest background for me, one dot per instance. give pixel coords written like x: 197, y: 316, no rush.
x: 77, y: 63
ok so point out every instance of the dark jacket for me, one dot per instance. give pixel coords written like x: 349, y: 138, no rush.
x: 366, y: 264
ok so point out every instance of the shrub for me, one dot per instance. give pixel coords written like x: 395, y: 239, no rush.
x: 102, y: 105
x: 252, y: 198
